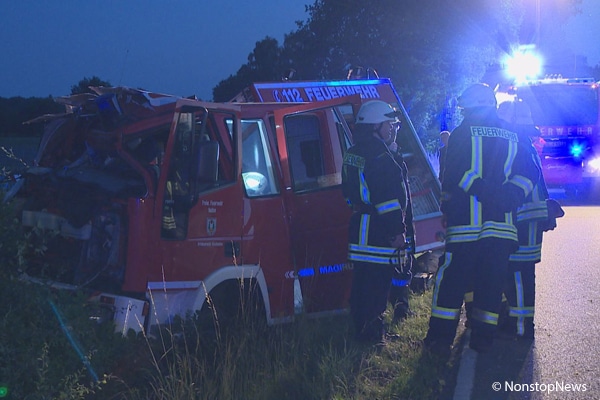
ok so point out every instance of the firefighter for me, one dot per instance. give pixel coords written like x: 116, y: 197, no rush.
x: 537, y: 215
x: 488, y: 175
x: 374, y: 187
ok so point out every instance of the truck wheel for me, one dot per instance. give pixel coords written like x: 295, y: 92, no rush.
x: 232, y: 306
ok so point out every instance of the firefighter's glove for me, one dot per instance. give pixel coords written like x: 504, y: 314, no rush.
x: 548, y: 224
x: 405, y: 262
x: 403, y: 270
x: 554, y: 209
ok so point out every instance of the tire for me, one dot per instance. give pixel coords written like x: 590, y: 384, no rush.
x: 232, y: 306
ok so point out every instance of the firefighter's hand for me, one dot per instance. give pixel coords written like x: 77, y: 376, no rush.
x: 554, y: 209
x: 398, y: 241
x: 548, y: 225
x: 444, y: 221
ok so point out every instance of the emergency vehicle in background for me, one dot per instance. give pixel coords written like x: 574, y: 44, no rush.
x: 162, y: 203
x: 567, y: 112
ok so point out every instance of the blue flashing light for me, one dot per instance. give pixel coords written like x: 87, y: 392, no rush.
x: 576, y: 150
x: 305, y: 84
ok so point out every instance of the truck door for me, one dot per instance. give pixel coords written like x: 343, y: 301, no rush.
x: 311, y: 140
x: 201, y: 203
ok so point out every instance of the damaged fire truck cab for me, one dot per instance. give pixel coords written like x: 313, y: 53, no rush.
x: 166, y: 205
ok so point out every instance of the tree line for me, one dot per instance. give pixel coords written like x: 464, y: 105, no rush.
x: 430, y: 49
x: 16, y: 111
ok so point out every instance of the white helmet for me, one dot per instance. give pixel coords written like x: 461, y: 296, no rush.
x: 376, y: 112
x: 478, y: 95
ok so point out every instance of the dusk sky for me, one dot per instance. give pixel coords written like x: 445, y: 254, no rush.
x: 181, y: 47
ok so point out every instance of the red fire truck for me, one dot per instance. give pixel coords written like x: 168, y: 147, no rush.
x: 567, y: 112
x: 424, y: 187
x: 162, y: 203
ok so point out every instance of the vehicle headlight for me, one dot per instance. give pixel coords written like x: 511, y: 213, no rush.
x: 594, y: 165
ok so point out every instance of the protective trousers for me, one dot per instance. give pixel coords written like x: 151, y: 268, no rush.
x: 368, y: 299
x: 481, y: 265
x: 520, y: 294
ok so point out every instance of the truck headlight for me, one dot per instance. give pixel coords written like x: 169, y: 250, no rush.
x: 593, y: 165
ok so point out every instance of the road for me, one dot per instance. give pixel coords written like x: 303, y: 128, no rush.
x: 563, y: 362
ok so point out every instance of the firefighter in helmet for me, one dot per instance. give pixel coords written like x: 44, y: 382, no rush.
x: 537, y: 215
x: 374, y: 187
x: 487, y: 177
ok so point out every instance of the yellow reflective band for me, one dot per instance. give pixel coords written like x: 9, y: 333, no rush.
x: 527, y: 253
x: 439, y: 276
x: 365, y: 195
x: 372, y: 254
x: 476, y: 212
x: 168, y: 222
x: 525, y: 312
x: 384, y: 251
x: 365, y: 220
x: 522, y: 182
x: 445, y: 313
x: 476, y: 165
x: 468, y: 233
x: 388, y: 206
x: 485, y: 316
x: 510, y: 159
x: 532, y: 210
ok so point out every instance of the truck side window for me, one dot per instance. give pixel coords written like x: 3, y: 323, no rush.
x: 311, y: 157
x: 257, y: 166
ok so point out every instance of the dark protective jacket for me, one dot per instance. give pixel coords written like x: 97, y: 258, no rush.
x: 532, y: 216
x: 489, y: 172
x: 373, y: 185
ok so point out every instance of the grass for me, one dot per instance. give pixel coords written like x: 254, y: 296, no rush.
x: 307, y: 359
